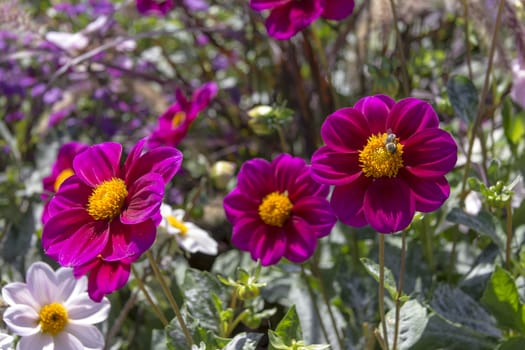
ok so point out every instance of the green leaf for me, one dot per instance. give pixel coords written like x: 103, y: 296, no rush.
x: 289, y: 329
x: 502, y: 299
x: 276, y: 342
x: 513, y: 125
x: 483, y: 223
x: 244, y: 341
x: 373, y: 269
x: 463, y: 97
x: 516, y: 343
x: 412, y: 322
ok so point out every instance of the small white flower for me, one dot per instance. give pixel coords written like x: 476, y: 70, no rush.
x: 68, y: 41
x: 6, y: 341
x: 190, y: 237
x: 53, y: 311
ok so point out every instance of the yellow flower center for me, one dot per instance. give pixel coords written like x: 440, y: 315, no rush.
x: 275, y: 209
x: 64, y: 174
x: 382, y: 156
x: 177, y: 119
x: 179, y: 225
x: 52, y: 318
x: 107, y: 199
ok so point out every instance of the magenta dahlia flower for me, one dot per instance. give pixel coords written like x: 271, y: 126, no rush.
x: 175, y: 122
x: 288, y: 17
x: 107, y: 210
x: 386, y: 160
x: 278, y: 210
x: 155, y: 7
x: 60, y: 171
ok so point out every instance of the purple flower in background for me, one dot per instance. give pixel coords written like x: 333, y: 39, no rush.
x: 196, y: 5
x: 386, y: 160
x: 518, y: 83
x: 278, y: 210
x: 175, y: 122
x: 154, y: 7
x: 288, y: 17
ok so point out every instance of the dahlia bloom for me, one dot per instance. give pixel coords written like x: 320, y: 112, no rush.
x: 106, y: 210
x: 60, y: 171
x: 288, y: 17
x: 386, y: 159
x: 278, y: 210
x: 154, y: 7
x: 190, y: 237
x: 53, y: 311
x: 175, y: 122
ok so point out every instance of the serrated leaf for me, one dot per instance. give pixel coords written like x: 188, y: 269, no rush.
x: 501, y: 298
x: 516, y: 343
x: 463, y: 98
x: 373, y: 269
x: 276, y: 342
x: 412, y: 322
x: 458, y: 307
x: 244, y: 341
x: 483, y: 223
x: 289, y: 328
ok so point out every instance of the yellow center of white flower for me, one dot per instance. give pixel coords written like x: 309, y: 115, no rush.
x: 53, y: 318
x: 179, y: 225
x: 64, y: 174
x: 382, y: 156
x: 107, y: 199
x: 275, y: 209
x: 177, y: 119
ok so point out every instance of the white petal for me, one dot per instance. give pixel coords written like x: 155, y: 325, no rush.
x: 6, y: 341
x: 22, y: 320
x: 179, y: 214
x: 17, y: 293
x: 68, y: 41
x: 69, y: 287
x: 83, y: 310
x: 88, y: 335
x: 66, y: 341
x: 197, y: 240
x: 40, y: 341
x: 42, y: 283
x: 165, y: 210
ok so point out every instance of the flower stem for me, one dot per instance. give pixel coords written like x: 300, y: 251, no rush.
x: 314, y: 303
x: 404, y: 74
x: 143, y: 289
x: 467, y: 41
x: 509, y: 235
x: 477, y: 121
x: 382, y: 287
x: 400, y: 287
x: 170, y: 297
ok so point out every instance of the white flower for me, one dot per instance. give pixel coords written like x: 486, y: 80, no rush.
x: 68, y: 41
x: 53, y: 311
x: 190, y: 237
x: 6, y: 341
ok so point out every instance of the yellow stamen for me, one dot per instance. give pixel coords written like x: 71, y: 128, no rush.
x: 53, y: 318
x: 179, y: 225
x: 107, y: 199
x: 275, y: 209
x: 379, y: 158
x: 64, y: 174
x: 178, y: 119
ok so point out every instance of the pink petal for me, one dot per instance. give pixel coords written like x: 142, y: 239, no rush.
x: 73, y: 194
x: 389, y: 205
x: 300, y: 242
x: 202, y: 96
x: 306, y: 186
x: 260, y: 5
x: 145, y: 197
x: 244, y: 230
x: 317, y: 213
x: 345, y: 130
x: 237, y: 205
x: 347, y: 201
x: 335, y: 168
x: 338, y: 9
x: 376, y: 110
x: 98, y: 163
x: 286, y: 169
x: 256, y: 178
x: 165, y: 161
x: 268, y: 245
x: 287, y: 20
x: 411, y: 115
x: 430, y: 193
x: 129, y: 240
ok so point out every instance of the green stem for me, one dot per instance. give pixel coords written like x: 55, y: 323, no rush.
x: 143, y: 289
x: 467, y: 41
x: 427, y: 241
x: 314, y: 303
x: 400, y: 287
x: 509, y: 235
x: 382, y: 287
x: 404, y: 73
x: 477, y: 121
x: 170, y: 297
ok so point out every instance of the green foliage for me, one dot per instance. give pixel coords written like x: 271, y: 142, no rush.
x: 463, y: 97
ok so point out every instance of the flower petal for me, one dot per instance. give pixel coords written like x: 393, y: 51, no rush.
x: 237, y: 205
x: 36, y: 341
x: 42, y: 283
x: 335, y: 168
x: 256, y: 178
x: 389, y: 205
x: 197, y: 240
x: 73, y: 194
x: 300, y: 241
x: 17, y: 293
x: 338, y: 9
x: 66, y: 341
x: 22, y: 320
x: 98, y: 163
x: 268, y: 244
x: 316, y: 212
x: 286, y: 20
x: 376, y: 110
x: 286, y: 169
x: 306, y: 186
x: 202, y: 97
x: 411, y: 115
x: 88, y: 335
x: 145, y: 197
x: 430, y: 153
x: 68, y: 286
x: 244, y: 230
x: 345, y: 130
x: 259, y: 5
x: 84, y: 311
x: 430, y: 193
x: 347, y: 201
x: 165, y: 161
x: 129, y: 240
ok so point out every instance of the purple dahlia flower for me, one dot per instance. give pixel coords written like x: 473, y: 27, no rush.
x: 386, y: 159
x: 288, y: 17
x: 155, y: 7
x: 107, y: 211
x: 278, y: 210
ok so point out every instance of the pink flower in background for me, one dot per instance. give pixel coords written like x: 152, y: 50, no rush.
x: 60, y: 171
x: 175, y: 122
x: 106, y: 210
x: 288, y: 17
x: 278, y: 210
x: 155, y: 7
x: 386, y: 160
x: 518, y: 83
